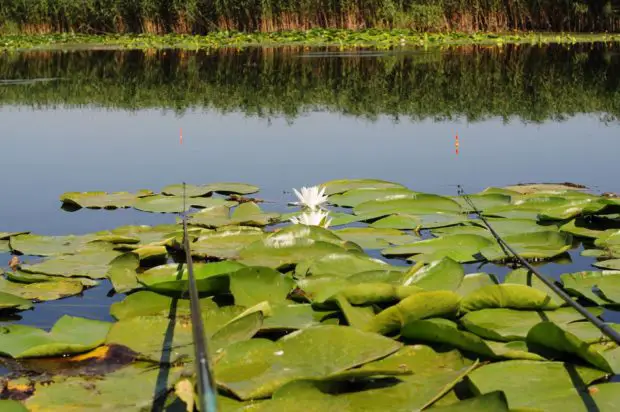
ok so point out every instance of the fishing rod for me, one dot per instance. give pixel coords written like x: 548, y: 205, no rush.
x: 604, y: 328
x: 207, y: 392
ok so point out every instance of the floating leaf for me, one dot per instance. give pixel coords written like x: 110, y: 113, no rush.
x: 417, y: 306
x: 461, y: 248
x: 475, y: 281
x: 546, y: 386
x: 446, y: 331
x: 333, y: 187
x: 536, y: 245
x: 180, y: 189
x: 352, y: 198
x: 42, y: 291
x: 503, y: 227
x: 611, y: 264
x: 210, y: 277
x: 226, y: 244
x: 256, y: 368
x: 523, y: 276
x: 122, y: 273
x: 508, y: 324
x: 249, y: 214
x: 146, y: 235
x: 147, y: 303
x: 507, y: 295
x: 253, y: 285
x: 290, y: 317
x: 227, y: 188
x: 482, y: 201
x: 491, y: 402
x: 554, y: 338
x: 174, y: 204
x: 68, y: 335
x: 426, y: 204
x: 581, y: 227
x: 537, y: 188
x: 37, y: 245
x: 341, y: 264
x: 8, y: 301
x: 103, y: 200
x: 444, y: 274
x: 374, y: 238
x: 92, y: 263
x: 12, y: 406
x: 602, y: 288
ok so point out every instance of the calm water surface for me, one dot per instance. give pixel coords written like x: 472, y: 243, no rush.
x: 282, y: 118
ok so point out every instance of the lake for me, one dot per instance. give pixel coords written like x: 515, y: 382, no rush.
x: 281, y: 118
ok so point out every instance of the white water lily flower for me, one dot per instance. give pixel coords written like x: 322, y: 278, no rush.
x: 313, y: 218
x: 311, y: 197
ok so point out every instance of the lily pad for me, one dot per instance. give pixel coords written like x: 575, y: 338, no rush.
x: 122, y: 273
x: 546, y: 386
x: 25, y: 277
x: 103, y: 200
x: 475, y: 281
x: 491, y: 402
x: 253, y: 285
x: 341, y: 264
x: 573, y: 209
x: 444, y: 331
x: 333, y: 187
x: 289, y: 317
x: 482, y: 201
x: 211, y: 278
x: 147, y: 235
x: 92, y: 263
x: 420, y: 221
x: 554, y: 338
x: 374, y: 238
x: 611, y: 264
x: 509, y: 324
x: 227, y: 188
x: 503, y: 227
x: 226, y: 244
x: 7, y: 405
x: 426, y: 204
x: 68, y: 335
x: 147, y: 303
x: 417, y: 306
x: 42, y: 291
x: 352, y: 198
x: 523, y: 276
x: 38, y: 245
x: 207, y: 190
x: 536, y: 188
x: 134, y: 387
x: 255, y: 369
x: 249, y: 214
x: 8, y: 301
x: 174, y: 204
x: 602, y: 288
x: 444, y: 274
x: 582, y: 228
x: 460, y: 248
x: 536, y: 245
x: 507, y: 295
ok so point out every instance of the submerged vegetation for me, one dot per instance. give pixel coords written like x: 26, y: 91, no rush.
x: 202, y: 16
x: 323, y: 318
x: 531, y: 83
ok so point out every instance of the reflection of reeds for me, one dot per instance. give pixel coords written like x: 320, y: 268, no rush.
x: 200, y: 16
x: 528, y: 82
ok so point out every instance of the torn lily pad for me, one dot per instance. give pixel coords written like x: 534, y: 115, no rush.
x: 68, y: 335
x: 103, y: 200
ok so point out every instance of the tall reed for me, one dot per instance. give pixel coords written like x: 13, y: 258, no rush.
x: 199, y: 16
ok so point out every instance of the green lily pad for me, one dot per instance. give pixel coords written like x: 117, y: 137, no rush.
x: 460, y: 248
x: 573, y: 209
x: 103, y: 200
x: 290, y: 317
x: 491, y: 402
x: 425, y: 204
x: 602, y: 288
x: 610, y: 264
x: 226, y: 244
x: 523, y: 276
x: 610, y: 239
x: 122, y: 273
x: 147, y: 303
x: 227, y: 188
x: 444, y: 274
x: 445, y: 331
x: 545, y: 386
x: 5, y: 246
x: 206, y: 190
x: 42, y: 291
x: 37, y: 245
x: 354, y: 197
x: 210, y: 277
x: 253, y: 285
x: 475, y: 281
x: 536, y: 245
x: 8, y: 301
x: 507, y: 295
x: 68, y: 335
x: 147, y: 235
x: 333, y: 187
x: 340, y: 264
x: 249, y: 214
x: 582, y: 228
x: 503, y: 227
x: 536, y: 188
x: 420, y: 221
x: 24, y: 277
x: 374, y: 238
x: 92, y: 263
x: 134, y: 387
x: 174, y: 204
x: 186, y: 190
x: 509, y: 324
x: 131, y: 332
x: 482, y: 201
x: 554, y: 338
x: 7, y: 405
x: 255, y: 369
x: 417, y: 306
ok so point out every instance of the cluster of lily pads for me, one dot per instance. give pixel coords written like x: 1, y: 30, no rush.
x: 305, y: 315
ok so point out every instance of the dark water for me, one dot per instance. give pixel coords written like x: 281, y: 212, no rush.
x: 283, y: 118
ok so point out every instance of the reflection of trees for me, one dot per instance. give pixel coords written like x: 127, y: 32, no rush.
x: 531, y: 83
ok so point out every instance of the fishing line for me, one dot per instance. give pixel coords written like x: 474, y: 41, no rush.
x: 604, y: 328
x: 207, y: 392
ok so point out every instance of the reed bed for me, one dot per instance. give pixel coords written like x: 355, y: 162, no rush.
x: 202, y: 16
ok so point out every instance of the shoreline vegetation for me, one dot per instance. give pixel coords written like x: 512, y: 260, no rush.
x: 342, y: 38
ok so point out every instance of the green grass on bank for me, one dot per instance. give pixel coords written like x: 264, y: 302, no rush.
x: 372, y: 38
